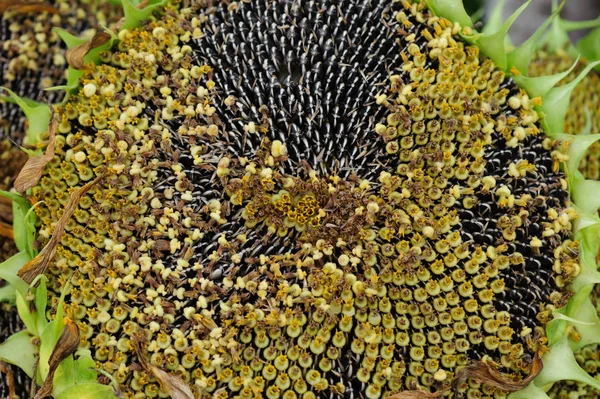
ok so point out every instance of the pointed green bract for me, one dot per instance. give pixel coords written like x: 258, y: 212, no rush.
x: 556, y: 102
x: 572, y: 309
x: 76, y: 379
x: 38, y: 115
x: 558, y: 36
x: 23, y: 222
x: 8, y: 294
x: 496, y: 20
x: 40, y: 293
x: 541, y: 85
x: 520, y: 57
x: 585, y: 194
x: 589, y: 45
x: 588, y: 276
x: 93, y: 55
x: 9, y: 269
x: 19, y: 351
x: 492, y: 44
x: 590, y: 332
x: 560, y: 364
x: 25, y: 313
x: 49, y: 337
x: 87, y: 391
x: 134, y: 15
x: 529, y: 392
x: 578, y: 146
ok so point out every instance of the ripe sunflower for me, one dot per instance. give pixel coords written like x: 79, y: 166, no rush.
x: 289, y: 199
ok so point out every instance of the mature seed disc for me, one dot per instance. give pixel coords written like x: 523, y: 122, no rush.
x: 326, y: 199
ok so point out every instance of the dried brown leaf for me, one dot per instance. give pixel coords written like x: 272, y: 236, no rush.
x: 418, y: 394
x: 6, y: 210
x: 175, y: 386
x: 488, y: 374
x: 24, y: 7
x: 76, y: 54
x: 10, y: 379
x: 34, y: 168
x: 6, y: 230
x: 484, y: 372
x: 39, y: 264
x: 67, y: 344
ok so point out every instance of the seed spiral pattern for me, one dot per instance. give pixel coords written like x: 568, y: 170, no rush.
x: 239, y: 239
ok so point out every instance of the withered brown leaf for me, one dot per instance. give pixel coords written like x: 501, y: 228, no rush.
x: 417, y: 394
x: 76, y: 54
x: 6, y: 209
x: 6, y: 230
x: 10, y: 379
x: 175, y: 387
x: 488, y: 373
x: 484, y: 372
x: 24, y: 7
x: 39, y: 264
x: 34, y: 167
x: 67, y: 344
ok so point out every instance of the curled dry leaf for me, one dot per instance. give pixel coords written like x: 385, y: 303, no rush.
x: 67, y: 344
x: 39, y: 264
x: 34, y: 168
x: 484, y: 372
x: 419, y: 394
x: 76, y: 54
x: 488, y: 374
x: 10, y: 379
x: 175, y: 387
x: 24, y: 7
x: 6, y: 230
x: 5, y: 209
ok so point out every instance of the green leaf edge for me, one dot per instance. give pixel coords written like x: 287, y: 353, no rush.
x: 452, y: 10
x: 38, y: 115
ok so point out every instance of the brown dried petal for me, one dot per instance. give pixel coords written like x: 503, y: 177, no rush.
x: 417, y: 395
x: 67, y: 344
x: 5, y: 209
x: 34, y: 168
x: 487, y: 373
x: 76, y: 54
x: 6, y: 230
x: 39, y: 264
x: 175, y: 387
x: 24, y: 7
x: 10, y: 379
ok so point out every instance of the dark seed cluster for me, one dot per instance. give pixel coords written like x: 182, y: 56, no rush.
x: 322, y: 199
